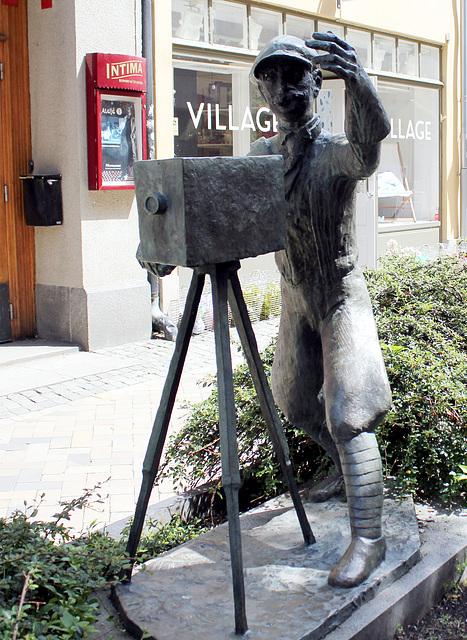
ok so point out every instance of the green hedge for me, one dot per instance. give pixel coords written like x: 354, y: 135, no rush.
x: 48, y: 575
x: 193, y: 454
x: 421, y: 312
x: 420, y: 308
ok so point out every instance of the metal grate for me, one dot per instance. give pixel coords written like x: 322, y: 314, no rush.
x: 261, y: 290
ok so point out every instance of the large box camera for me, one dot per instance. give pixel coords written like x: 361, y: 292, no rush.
x: 202, y: 211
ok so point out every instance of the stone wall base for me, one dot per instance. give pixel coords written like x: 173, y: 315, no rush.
x: 96, y: 317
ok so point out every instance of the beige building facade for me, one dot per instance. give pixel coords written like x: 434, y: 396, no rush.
x: 411, y: 50
x: 90, y: 289
x: 83, y: 283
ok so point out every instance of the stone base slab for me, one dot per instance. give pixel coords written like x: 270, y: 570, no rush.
x: 186, y: 594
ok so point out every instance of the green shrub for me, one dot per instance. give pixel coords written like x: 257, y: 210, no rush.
x: 48, y: 576
x: 254, y: 296
x: 157, y: 538
x: 420, y: 308
x: 272, y: 301
x: 262, y: 301
x: 421, y: 312
x: 193, y: 454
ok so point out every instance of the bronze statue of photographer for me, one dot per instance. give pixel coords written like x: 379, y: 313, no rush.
x: 328, y: 375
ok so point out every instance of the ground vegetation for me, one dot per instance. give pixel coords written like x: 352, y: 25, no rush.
x: 49, y: 575
x: 420, y: 309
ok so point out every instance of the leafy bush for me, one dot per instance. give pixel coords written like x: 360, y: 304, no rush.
x: 272, y: 301
x: 263, y: 300
x: 157, y: 538
x: 193, y: 454
x: 48, y: 576
x: 420, y: 309
x: 254, y: 296
x: 421, y: 312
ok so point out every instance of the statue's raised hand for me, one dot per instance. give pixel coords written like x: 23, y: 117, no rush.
x: 340, y: 57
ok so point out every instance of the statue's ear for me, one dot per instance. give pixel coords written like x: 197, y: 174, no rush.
x: 318, y: 81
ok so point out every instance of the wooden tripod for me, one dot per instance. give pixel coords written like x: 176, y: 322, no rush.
x: 225, y: 288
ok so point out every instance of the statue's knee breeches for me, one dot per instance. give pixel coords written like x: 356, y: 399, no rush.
x: 297, y: 371
x: 356, y: 387
x: 345, y: 421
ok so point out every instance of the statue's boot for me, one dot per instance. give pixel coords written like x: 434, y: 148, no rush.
x: 361, y: 464
x: 327, y: 488
x: 332, y: 485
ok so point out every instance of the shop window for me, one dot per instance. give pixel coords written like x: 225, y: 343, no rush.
x: 337, y: 29
x: 229, y: 24
x: 217, y: 113
x: 361, y: 41
x: 264, y: 25
x: 189, y: 19
x: 384, y: 53
x: 324, y: 108
x: 330, y: 105
x: 265, y: 123
x: 299, y: 27
x: 407, y: 58
x: 408, y: 174
x: 429, y: 62
x: 201, y: 113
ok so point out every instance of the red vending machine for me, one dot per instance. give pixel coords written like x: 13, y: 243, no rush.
x: 116, y: 118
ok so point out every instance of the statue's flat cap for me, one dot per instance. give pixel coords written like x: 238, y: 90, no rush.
x: 283, y: 47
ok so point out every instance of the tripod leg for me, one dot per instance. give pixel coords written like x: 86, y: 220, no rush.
x: 161, y: 422
x: 268, y: 408
x: 227, y: 428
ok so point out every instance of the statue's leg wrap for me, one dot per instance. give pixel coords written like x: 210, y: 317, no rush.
x: 332, y: 485
x: 361, y: 464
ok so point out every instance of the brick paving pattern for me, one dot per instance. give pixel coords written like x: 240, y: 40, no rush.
x: 61, y: 438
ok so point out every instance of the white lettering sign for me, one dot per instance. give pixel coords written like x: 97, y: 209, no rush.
x: 209, y: 116
x: 124, y: 69
x: 199, y: 113
x: 262, y: 121
x: 219, y: 126
x: 267, y: 124
x: 232, y: 127
x: 248, y: 122
x: 406, y: 130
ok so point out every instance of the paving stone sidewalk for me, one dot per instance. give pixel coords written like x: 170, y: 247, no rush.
x: 90, y: 420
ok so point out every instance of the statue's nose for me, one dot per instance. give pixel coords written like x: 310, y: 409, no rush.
x: 287, y: 85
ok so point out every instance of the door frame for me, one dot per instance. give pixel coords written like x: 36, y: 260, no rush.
x: 15, y: 148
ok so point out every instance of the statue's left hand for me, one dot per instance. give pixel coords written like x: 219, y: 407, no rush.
x: 341, y: 58
x: 366, y: 121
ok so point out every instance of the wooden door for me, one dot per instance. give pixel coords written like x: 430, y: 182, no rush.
x: 5, y: 329
x: 17, y: 274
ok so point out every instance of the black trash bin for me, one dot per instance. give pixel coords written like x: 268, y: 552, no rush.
x: 42, y: 199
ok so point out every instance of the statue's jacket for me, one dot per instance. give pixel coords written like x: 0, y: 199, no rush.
x: 321, y: 175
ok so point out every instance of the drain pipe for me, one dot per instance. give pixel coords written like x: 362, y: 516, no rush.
x: 463, y: 30
x: 160, y: 322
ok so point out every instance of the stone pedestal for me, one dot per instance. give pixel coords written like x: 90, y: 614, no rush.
x: 186, y: 594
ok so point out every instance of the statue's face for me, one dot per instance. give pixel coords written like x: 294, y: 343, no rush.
x: 289, y: 87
